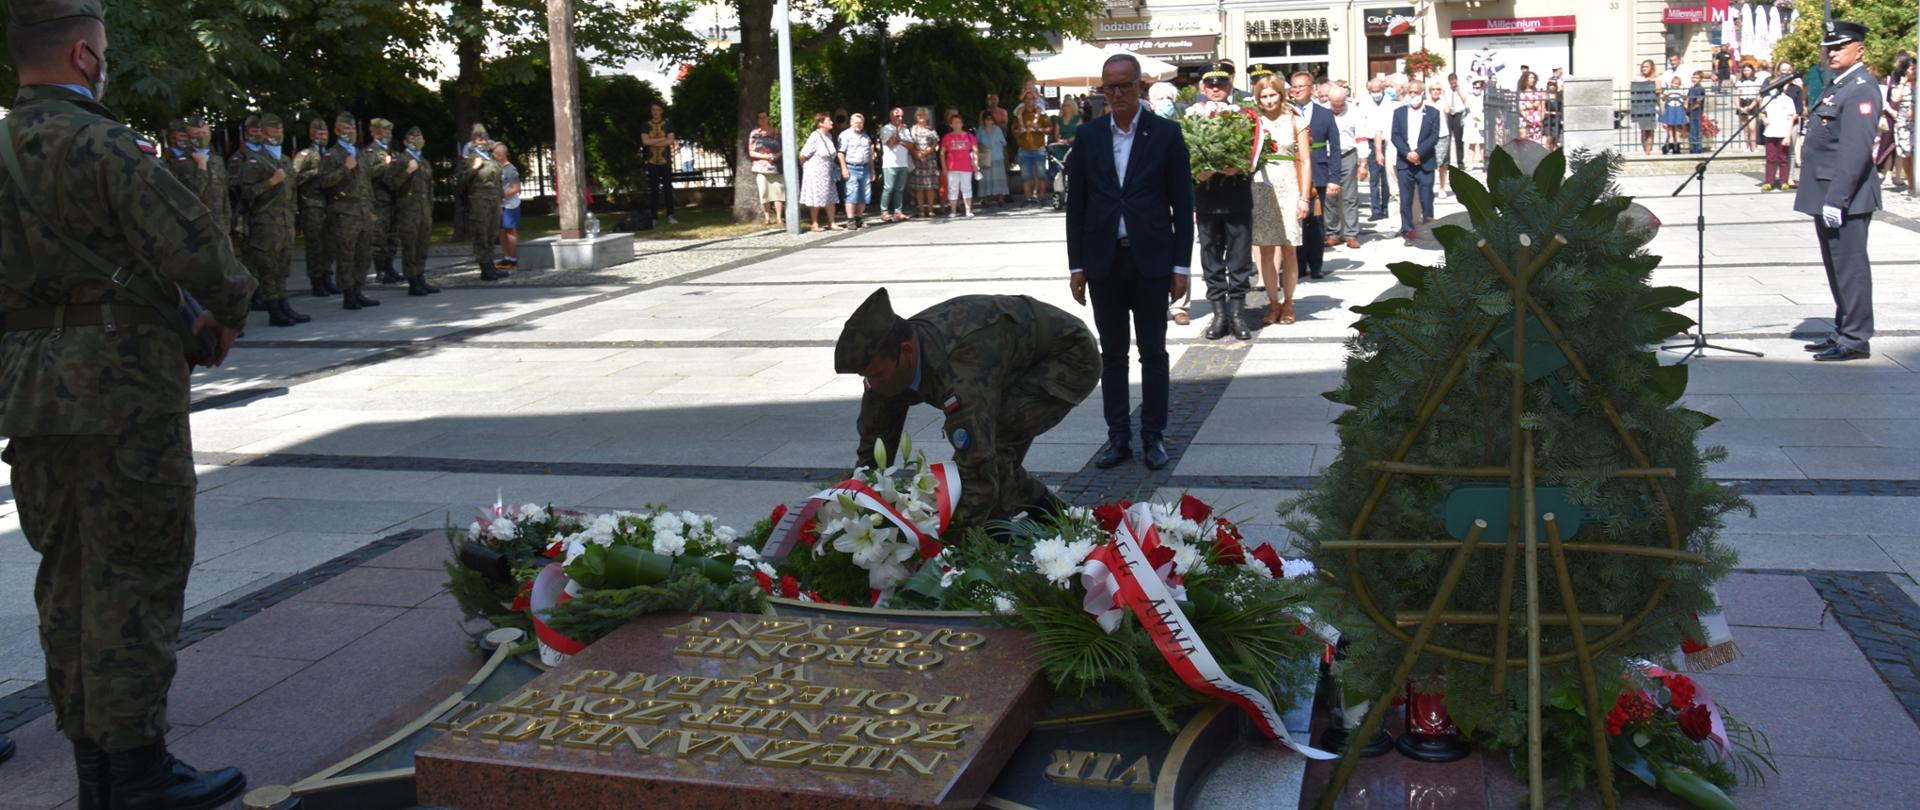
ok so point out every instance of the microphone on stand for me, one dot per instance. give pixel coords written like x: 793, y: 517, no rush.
x: 1782, y: 81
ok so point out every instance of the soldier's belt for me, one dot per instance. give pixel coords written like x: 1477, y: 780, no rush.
x: 62, y: 316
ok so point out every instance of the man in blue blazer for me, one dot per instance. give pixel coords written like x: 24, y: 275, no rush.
x: 1416, y: 134
x: 1324, y: 135
x: 1130, y: 238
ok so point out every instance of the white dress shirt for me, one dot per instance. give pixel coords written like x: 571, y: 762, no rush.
x: 1414, y: 118
x: 1122, y: 151
x: 1352, y: 127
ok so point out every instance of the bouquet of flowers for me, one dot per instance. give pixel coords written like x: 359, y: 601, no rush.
x: 1219, y: 140
x: 1665, y: 731
x: 865, y: 536
x: 499, y: 553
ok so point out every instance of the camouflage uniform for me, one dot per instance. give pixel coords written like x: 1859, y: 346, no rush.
x: 266, y: 211
x: 313, y: 207
x: 481, y: 186
x: 412, y: 210
x: 209, y: 184
x: 96, y: 414
x: 349, y: 212
x: 1004, y: 368
x: 377, y: 159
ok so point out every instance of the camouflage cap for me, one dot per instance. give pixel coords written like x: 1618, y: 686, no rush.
x: 345, y: 118
x: 865, y: 334
x: 317, y: 123
x: 415, y: 130
x: 176, y: 124
x: 251, y: 122
x: 479, y: 131
x: 196, y: 120
x: 380, y: 123
x: 269, y: 120
x: 34, y: 12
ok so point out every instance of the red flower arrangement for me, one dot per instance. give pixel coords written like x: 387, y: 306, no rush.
x: 1668, y: 734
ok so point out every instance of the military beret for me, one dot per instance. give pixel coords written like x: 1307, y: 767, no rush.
x: 34, y: 12
x: 414, y: 130
x: 345, y: 118
x: 269, y: 120
x: 317, y: 123
x: 865, y: 334
x: 380, y: 123
x: 479, y: 131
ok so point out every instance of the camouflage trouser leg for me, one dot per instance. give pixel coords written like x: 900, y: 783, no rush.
x: 270, y: 264
x: 412, y: 236
x: 112, y: 518
x: 380, y: 236
x: 313, y: 224
x: 346, y: 239
x: 486, y: 233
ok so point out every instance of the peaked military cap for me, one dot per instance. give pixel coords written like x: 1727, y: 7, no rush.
x: 380, y: 123
x: 479, y: 131
x: 414, y: 130
x: 1219, y: 72
x: 34, y: 12
x: 1258, y: 69
x: 1841, y: 32
x: 865, y: 334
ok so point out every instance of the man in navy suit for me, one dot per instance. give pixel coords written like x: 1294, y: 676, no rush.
x: 1324, y: 134
x: 1130, y: 238
x: 1416, y: 134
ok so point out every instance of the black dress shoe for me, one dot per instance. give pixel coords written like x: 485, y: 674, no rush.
x: 1843, y: 353
x: 1316, y: 275
x: 1115, y: 455
x: 1216, y: 328
x: 1820, y: 346
x: 149, y: 778
x: 1154, y: 453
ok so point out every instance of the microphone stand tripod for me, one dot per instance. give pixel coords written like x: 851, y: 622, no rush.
x: 1698, y: 179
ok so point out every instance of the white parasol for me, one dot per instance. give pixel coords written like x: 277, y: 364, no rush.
x: 1079, y: 66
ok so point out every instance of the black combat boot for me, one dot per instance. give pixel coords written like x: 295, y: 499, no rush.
x: 1217, y: 328
x: 360, y: 294
x: 417, y: 286
x: 385, y: 268
x: 90, y: 764
x: 321, y: 288
x: 288, y: 310
x: 349, y: 301
x: 428, y: 285
x: 488, y: 273
x: 332, y: 288
x: 278, y: 317
x: 1237, y: 319
x: 149, y: 778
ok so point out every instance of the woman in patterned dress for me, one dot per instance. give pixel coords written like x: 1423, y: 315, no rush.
x: 1278, y: 202
x: 925, y: 148
x: 1532, y: 104
x: 817, y: 170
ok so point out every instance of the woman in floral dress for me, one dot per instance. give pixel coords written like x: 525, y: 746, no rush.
x: 1533, y: 106
x: 817, y: 169
x: 925, y: 148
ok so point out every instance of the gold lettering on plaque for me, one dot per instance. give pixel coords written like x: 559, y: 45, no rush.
x: 1138, y: 777
x: 1067, y: 766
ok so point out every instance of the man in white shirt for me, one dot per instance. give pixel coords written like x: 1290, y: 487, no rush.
x: 1675, y: 71
x: 1377, y: 112
x: 1342, y: 213
x: 1438, y: 99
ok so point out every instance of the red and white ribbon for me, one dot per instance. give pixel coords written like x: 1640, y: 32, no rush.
x: 946, y: 495
x: 549, y: 590
x: 1112, y: 569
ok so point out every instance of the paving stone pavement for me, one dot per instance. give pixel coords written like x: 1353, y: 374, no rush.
x: 708, y: 385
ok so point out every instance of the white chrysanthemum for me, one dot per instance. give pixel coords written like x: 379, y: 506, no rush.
x: 666, y: 521
x: 502, y: 529
x: 1060, y: 561
x: 1296, y: 568
x: 1187, y: 559
x: 1257, y: 567
x: 1171, y: 526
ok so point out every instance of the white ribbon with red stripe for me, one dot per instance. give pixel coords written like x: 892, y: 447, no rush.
x: 549, y: 590
x: 946, y: 495
x: 1111, y: 571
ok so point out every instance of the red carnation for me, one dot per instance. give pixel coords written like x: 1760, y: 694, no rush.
x: 1194, y: 509
x: 809, y: 533
x: 1226, y: 544
x: 789, y: 587
x: 1696, y: 722
x: 1109, y: 515
x: 766, y: 582
x: 1682, y: 688
x: 779, y: 512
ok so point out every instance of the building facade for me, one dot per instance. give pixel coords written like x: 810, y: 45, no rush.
x: 1357, y: 39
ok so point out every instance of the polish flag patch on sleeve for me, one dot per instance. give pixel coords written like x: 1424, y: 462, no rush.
x: 1866, y: 108
x: 952, y: 404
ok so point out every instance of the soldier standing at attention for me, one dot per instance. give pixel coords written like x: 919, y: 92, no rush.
x: 1004, y: 369
x: 479, y: 180
x: 250, y: 134
x: 265, y: 191
x: 219, y: 189
x: 410, y: 181
x: 195, y: 167
x: 93, y: 401
x: 349, y: 213
x: 1840, y: 189
x: 313, y: 209
x: 379, y: 160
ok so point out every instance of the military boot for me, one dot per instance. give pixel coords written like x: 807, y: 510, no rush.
x: 349, y: 301
x: 428, y: 285
x: 149, y: 778
x: 278, y: 317
x: 90, y: 764
x: 1236, y: 313
x: 359, y: 293
x: 322, y: 289
x: 417, y: 286
x: 288, y: 310
x: 488, y: 273
x: 1217, y: 328
x: 387, y: 274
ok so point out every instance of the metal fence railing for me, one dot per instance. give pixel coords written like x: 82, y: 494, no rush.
x: 1700, y: 125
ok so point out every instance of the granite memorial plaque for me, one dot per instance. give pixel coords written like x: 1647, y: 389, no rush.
x: 722, y: 710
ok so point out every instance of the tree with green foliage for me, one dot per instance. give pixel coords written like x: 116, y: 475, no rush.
x: 1430, y: 380
x: 1889, y: 30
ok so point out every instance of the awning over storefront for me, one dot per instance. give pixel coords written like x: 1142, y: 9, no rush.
x: 1194, y: 50
x: 1512, y: 25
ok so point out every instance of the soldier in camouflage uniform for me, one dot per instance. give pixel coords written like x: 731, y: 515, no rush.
x: 1004, y: 369
x: 379, y: 158
x: 264, y: 188
x: 94, y: 401
x: 349, y: 180
x: 410, y: 181
x: 479, y: 181
x: 192, y: 163
x: 313, y: 209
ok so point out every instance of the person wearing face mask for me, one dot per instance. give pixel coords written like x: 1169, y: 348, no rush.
x: 98, y: 247
x: 380, y: 167
x: 479, y: 180
x: 1003, y: 368
x: 1379, y: 111
x: 349, y: 212
x: 1416, y: 136
x: 410, y: 181
x: 313, y: 199
x: 264, y: 186
x: 189, y: 156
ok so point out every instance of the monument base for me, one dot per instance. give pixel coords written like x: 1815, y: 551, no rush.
x: 590, y: 253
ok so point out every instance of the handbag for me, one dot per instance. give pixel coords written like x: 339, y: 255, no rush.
x: 144, y: 287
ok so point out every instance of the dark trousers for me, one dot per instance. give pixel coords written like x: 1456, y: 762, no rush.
x: 1226, y: 258
x: 1693, y: 133
x: 1313, y: 235
x: 659, y: 188
x: 1121, y: 296
x: 1414, y: 181
x: 1456, y: 124
x: 1844, y: 251
x: 1376, y: 185
x: 1776, y: 161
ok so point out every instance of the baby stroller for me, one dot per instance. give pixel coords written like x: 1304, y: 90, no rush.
x: 1057, y: 169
